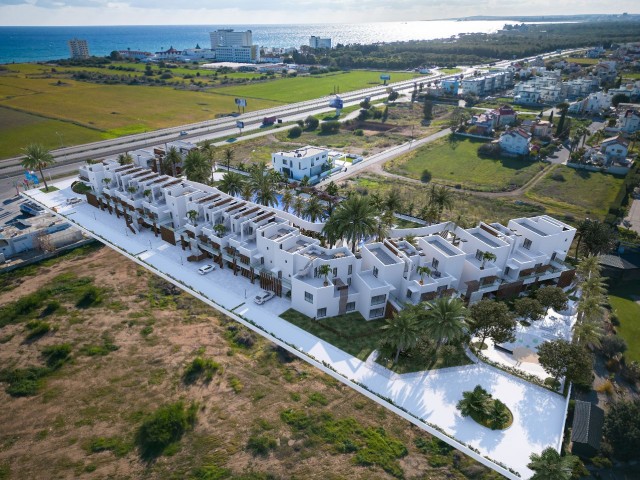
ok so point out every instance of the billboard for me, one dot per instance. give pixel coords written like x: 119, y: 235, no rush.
x: 241, y: 102
x: 385, y: 77
x: 336, y: 102
x: 239, y: 124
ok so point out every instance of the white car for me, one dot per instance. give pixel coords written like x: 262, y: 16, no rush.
x: 206, y: 269
x: 263, y: 296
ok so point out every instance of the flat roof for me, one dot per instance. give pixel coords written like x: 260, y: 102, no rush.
x: 381, y: 255
x: 440, y: 244
x: 528, y: 226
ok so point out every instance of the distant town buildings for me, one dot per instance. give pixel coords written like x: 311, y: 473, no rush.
x: 486, y: 84
x: 135, y: 54
x: 78, y: 48
x: 232, y: 46
x: 317, y: 42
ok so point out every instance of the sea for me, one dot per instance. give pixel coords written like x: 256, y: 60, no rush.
x: 34, y: 44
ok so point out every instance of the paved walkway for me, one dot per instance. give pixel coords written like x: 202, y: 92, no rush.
x: 431, y: 396
x: 634, y: 215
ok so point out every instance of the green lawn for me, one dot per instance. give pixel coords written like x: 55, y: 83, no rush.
x: 350, y: 332
x: 624, y: 300
x: 431, y: 359
x: 296, y: 89
x: 455, y: 161
x: 581, y: 193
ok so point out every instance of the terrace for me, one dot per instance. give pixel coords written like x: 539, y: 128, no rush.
x: 527, y: 225
x: 379, y: 251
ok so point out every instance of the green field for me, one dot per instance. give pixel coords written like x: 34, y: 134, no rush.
x: 19, y: 129
x: 624, y: 300
x: 582, y: 193
x: 288, y: 90
x: 455, y: 161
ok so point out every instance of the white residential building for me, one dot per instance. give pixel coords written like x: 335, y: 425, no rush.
x: 317, y: 42
x: 629, y: 121
x: 487, y: 84
x: 594, y: 103
x: 515, y: 141
x: 78, y: 48
x: 267, y: 245
x: 615, y: 148
x: 229, y: 37
x: 232, y: 46
x: 307, y: 162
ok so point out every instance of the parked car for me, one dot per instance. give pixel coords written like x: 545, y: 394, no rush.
x: 206, y: 269
x: 263, y: 296
x: 182, y: 133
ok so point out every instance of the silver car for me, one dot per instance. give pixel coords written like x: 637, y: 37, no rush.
x: 263, y: 296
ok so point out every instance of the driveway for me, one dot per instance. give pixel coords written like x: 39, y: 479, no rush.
x: 634, y: 216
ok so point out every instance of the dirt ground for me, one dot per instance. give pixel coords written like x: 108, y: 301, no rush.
x: 158, y: 330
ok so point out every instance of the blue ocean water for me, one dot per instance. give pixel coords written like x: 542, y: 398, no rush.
x: 31, y: 44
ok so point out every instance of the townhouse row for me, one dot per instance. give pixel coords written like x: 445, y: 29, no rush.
x: 277, y: 249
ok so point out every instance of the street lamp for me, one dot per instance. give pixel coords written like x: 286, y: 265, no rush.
x: 60, y: 137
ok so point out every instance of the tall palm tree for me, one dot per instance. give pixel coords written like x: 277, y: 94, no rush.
x: 172, y: 158
x: 442, y: 197
x: 401, y: 331
x: 588, y: 333
x: 331, y: 232
x: 232, y: 183
x: 246, y: 191
x: 385, y: 222
x: 287, y: 199
x: 36, y: 158
x: 593, y: 287
x: 599, y: 238
x: 332, y: 189
x: 588, y: 267
x: 228, y: 157
x: 549, y: 465
x: 393, y: 202
x: 266, y: 194
x: 197, y: 166
x: 355, y: 219
x: 314, y: 210
x: 446, y: 320
x: 581, y: 230
x: 298, y: 206
x: 590, y: 308
x: 209, y: 152
x: 474, y: 403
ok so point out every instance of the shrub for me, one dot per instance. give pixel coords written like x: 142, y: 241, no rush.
x: 426, y: 176
x: 359, y: 132
x: 56, y: 355
x: 118, y: 446
x: 146, y: 331
x: 99, y: 350
x: 295, y: 132
x: 612, y: 346
x: 164, y: 427
x: 558, y: 177
x: 37, y: 328
x: 331, y: 126
x: 317, y: 398
x: 491, y: 150
x: 90, y: 297
x: 311, y: 123
x: 235, y: 384
x: 51, y: 307
x: 23, y: 382
x: 261, y: 444
x: 200, y: 367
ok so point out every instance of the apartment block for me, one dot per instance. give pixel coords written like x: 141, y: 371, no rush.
x: 275, y: 248
x: 78, y: 48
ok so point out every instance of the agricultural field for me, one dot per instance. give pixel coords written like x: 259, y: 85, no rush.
x: 455, y: 161
x: 98, y: 355
x: 577, y: 192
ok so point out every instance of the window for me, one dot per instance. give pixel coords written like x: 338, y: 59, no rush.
x: 351, y: 306
x: 527, y: 244
x: 350, y: 270
x: 375, y: 272
x: 507, y: 270
x: 335, y: 271
x: 315, y: 272
x: 349, y: 281
x: 262, y: 261
x: 308, y: 297
x: 322, y: 312
x: 479, y: 254
x: 409, y: 293
x: 435, y: 262
x: 553, y: 257
x: 378, y: 299
x: 376, y: 312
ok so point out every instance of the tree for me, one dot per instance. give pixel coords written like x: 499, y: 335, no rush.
x: 560, y: 358
x: 325, y: 270
x: 298, y: 206
x: 232, y: 183
x: 332, y: 189
x: 246, y: 192
x: 564, y: 108
x: 498, y: 415
x: 582, y: 229
x: 393, y: 96
x: 426, y: 176
x: 287, y: 199
x: 619, y: 98
x: 622, y: 428
x: 474, y: 403
x: 393, y: 202
x: 311, y: 123
x: 295, y: 132
x: 529, y: 309
x: 208, y: 150
x: 314, y: 209
x: 401, y: 331
x: 132, y: 190
x: 423, y: 270
x: 550, y: 465
x: 598, y: 239
x: 125, y: 158
x: 487, y: 257
x: 355, y: 218
x: 172, y: 158
x: 442, y: 197
x: 427, y: 110
x: 196, y: 166
x: 228, y: 156
x: 445, y: 320
x: 36, y: 158
x: 491, y: 319
x: 588, y: 333
x: 219, y: 229
x: 590, y: 308
x: 192, y: 215
x: 613, y: 346
x: 552, y: 297
x: 458, y: 117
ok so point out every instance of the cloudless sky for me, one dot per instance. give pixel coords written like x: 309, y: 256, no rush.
x: 201, y: 12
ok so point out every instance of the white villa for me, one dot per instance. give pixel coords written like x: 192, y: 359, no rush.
x: 515, y: 141
x: 307, y: 162
x: 268, y: 246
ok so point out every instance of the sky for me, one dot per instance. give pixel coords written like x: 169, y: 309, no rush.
x: 220, y: 12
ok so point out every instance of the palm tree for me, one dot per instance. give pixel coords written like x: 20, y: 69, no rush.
x: 208, y: 150
x: 423, y: 270
x: 498, y: 414
x: 228, y: 156
x: 197, y: 166
x: 593, y: 287
x: 385, y: 222
x: 287, y: 199
x: 599, y: 238
x: 147, y: 193
x: 36, y: 158
x: 332, y: 189
x: 266, y: 195
x: 192, y: 215
x: 401, y: 331
x: 232, y: 183
x: 325, y: 269
x: 246, y: 191
x: 442, y: 197
x: 588, y: 333
x: 393, y: 202
x: 590, y: 308
x: 330, y: 232
x: 314, y: 210
x: 487, y: 257
x: 305, y: 181
x: 549, y: 465
x: 474, y: 403
x: 446, y: 320
x: 125, y: 158
x: 581, y: 230
x: 298, y: 206
x: 582, y: 133
x: 219, y: 229
x: 355, y: 219
x: 172, y: 158
x: 132, y: 190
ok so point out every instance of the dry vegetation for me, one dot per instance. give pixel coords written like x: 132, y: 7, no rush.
x: 132, y: 341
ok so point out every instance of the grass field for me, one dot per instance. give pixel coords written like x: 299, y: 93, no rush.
x: 301, y: 88
x: 18, y: 129
x: 581, y: 193
x: 583, y: 61
x: 624, y: 300
x: 456, y: 162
